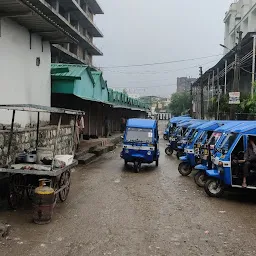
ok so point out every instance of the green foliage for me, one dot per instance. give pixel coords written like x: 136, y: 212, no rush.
x: 180, y: 102
x: 247, y: 105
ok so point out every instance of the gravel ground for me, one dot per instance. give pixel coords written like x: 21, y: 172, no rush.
x: 114, y: 211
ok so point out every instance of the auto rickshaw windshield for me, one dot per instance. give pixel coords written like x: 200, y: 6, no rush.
x: 187, y: 132
x: 228, y: 141
x: 193, y: 136
x: 139, y: 135
x: 214, y: 138
x: 202, y: 136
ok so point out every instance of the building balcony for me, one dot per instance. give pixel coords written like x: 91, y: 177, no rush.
x: 66, y: 24
x: 36, y: 21
x: 84, y: 17
x: 95, y: 7
x: 63, y: 55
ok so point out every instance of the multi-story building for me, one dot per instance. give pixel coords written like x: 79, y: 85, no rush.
x: 77, y: 18
x: 32, y: 34
x: 183, y: 83
x: 241, y: 16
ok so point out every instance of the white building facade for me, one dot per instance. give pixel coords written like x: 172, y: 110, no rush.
x: 26, y: 35
x: 241, y: 16
x: 25, y: 73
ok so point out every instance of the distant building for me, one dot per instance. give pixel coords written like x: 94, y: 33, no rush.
x: 183, y: 83
x: 135, y: 96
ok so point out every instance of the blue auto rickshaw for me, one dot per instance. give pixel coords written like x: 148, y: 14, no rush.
x: 228, y: 162
x: 176, y: 135
x: 172, y: 124
x: 189, y: 133
x: 192, y: 150
x: 140, y: 143
x: 207, y: 151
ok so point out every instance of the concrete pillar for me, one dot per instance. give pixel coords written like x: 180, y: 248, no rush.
x: 79, y: 27
x: 56, y: 5
x: 68, y: 17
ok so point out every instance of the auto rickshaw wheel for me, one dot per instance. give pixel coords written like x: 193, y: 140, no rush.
x: 214, y: 188
x: 168, y: 151
x: 200, y: 179
x: 157, y: 163
x: 125, y: 163
x: 184, y: 169
x: 137, y: 167
x: 165, y: 137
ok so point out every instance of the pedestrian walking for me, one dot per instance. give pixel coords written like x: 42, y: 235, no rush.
x: 122, y: 125
x: 79, y: 128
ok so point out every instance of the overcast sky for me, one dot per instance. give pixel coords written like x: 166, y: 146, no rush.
x: 147, y: 31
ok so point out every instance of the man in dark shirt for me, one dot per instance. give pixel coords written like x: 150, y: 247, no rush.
x: 250, y: 160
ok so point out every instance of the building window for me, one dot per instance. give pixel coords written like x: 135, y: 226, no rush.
x: 90, y: 14
x: 48, y: 2
x: 62, y: 12
x: 84, y: 32
x: 73, y: 48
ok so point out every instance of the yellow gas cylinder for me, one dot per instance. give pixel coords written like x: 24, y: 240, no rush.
x: 44, y: 202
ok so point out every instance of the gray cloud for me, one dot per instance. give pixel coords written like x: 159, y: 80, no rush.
x: 143, y: 31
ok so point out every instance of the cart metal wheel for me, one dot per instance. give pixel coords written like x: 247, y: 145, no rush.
x: 16, y: 190
x: 30, y: 190
x: 64, y: 182
x: 55, y: 186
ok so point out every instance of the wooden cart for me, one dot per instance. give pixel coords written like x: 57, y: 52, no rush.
x: 22, y: 180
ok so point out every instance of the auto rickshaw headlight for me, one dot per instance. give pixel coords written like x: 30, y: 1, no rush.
x: 149, y: 153
x: 126, y: 151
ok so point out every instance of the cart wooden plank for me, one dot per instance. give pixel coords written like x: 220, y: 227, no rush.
x: 53, y: 173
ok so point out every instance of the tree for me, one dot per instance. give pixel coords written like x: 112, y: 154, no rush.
x: 180, y: 103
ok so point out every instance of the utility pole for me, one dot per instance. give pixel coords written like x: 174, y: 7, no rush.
x: 202, y: 92
x: 218, y: 90
x: 236, y: 72
x: 226, y: 69
x: 253, y: 66
x: 191, y: 97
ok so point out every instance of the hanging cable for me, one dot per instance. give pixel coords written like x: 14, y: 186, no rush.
x: 161, y: 63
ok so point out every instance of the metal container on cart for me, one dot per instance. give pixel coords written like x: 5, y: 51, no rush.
x: 43, y: 202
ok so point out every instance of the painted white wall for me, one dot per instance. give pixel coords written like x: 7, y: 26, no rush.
x: 21, y: 80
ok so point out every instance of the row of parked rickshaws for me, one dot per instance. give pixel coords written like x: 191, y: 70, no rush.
x: 214, y: 150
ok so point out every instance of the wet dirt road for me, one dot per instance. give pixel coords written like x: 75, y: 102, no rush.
x: 113, y: 211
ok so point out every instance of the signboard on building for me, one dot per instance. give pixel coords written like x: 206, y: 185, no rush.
x: 234, y: 98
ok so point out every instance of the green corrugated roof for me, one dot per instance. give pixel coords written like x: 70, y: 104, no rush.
x: 98, y: 77
x: 75, y: 71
